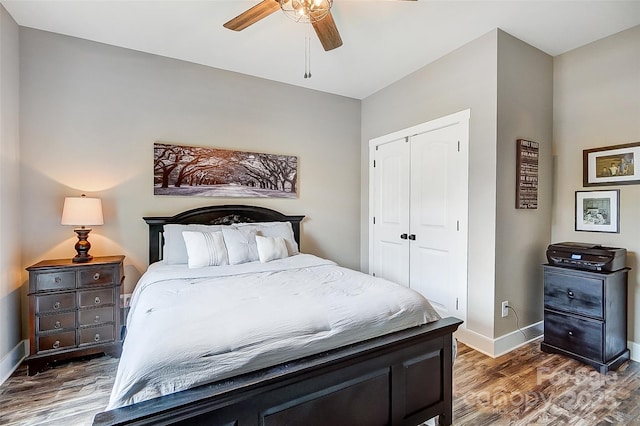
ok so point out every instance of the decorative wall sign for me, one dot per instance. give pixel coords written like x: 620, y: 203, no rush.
x: 213, y: 172
x: 527, y: 174
x: 598, y: 211
x: 611, y: 165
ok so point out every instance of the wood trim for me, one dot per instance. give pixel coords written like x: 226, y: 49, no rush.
x: 242, y: 399
x: 210, y: 215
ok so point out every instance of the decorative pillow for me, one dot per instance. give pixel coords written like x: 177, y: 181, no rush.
x: 276, y: 229
x: 205, y: 248
x: 271, y: 248
x: 174, y: 250
x: 241, y: 244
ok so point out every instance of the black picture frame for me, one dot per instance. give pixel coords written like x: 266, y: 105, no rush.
x: 611, y: 165
x: 598, y: 211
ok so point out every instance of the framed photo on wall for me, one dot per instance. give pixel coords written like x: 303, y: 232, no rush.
x: 598, y: 211
x: 527, y: 153
x: 611, y: 165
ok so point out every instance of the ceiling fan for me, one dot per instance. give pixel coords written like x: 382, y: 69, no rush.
x: 315, y: 12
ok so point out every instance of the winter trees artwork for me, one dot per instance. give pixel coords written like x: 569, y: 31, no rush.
x: 213, y: 172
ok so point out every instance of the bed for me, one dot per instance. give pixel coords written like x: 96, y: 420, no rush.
x: 395, y: 372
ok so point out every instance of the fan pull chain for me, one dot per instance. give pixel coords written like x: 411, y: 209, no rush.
x: 307, y: 52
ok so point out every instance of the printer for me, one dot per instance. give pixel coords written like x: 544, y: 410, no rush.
x: 590, y: 257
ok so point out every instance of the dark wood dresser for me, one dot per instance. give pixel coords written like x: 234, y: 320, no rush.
x: 585, y: 316
x: 74, y: 309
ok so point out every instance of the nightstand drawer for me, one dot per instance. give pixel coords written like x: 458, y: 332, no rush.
x: 90, y: 298
x: 99, y: 275
x: 578, y: 335
x: 66, y: 320
x: 57, y: 341
x: 95, y: 335
x: 95, y: 316
x: 55, y: 302
x: 574, y: 294
x: 55, y: 281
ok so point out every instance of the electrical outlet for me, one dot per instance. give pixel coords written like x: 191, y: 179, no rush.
x: 125, y: 300
x: 505, y: 308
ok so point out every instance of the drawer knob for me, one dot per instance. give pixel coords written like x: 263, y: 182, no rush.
x: 97, y: 318
x: 97, y: 337
x: 96, y: 276
x: 57, y: 324
x: 56, y: 344
x: 570, y: 294
x: 56, y: 305
x: 97, y: 300
x: 57, y: 280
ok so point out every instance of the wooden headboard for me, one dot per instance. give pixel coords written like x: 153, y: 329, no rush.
x: 214, y: 215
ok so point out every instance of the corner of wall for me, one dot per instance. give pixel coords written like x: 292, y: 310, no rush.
x: 11, y: 361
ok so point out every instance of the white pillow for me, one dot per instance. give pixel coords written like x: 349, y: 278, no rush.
x: 241, y: 244
x: 174, y: 250
x: 205, y: 248
x: 275, y: 229
x: 271, y: 248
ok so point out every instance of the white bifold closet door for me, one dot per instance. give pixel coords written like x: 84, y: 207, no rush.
x: 419, y: 202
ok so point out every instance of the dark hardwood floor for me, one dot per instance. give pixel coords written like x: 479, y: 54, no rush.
x: 524, y: 387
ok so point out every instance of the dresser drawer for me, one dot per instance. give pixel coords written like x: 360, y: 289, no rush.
x: 98, y: 275
x: 574, y: 294
x: 88, y: 298
x: 95, y: 316
x: 578, y: 335
x: 93, y: 335
x: 55, y: 302
x: 66, y: 320
x: 55, y: 281
x: 57, y: 341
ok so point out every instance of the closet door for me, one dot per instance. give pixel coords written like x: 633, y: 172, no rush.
x: 438, y: 194
x: 418, y: 197
x: 391, y: 207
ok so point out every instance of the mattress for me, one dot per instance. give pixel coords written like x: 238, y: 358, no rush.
x: 189, y: 327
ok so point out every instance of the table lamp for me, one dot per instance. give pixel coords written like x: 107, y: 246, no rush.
x: 82, y: 211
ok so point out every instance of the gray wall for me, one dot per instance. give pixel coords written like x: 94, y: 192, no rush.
x: 10, y: 271
x: 90, y: 114
x: 525, y: 111
x: 508, y: 86
x: 465, y: 78
x: 597, y: 104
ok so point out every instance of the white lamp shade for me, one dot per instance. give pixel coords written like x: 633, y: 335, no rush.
x: 81, y: 211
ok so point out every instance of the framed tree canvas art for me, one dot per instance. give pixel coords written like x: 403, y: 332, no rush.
x: 214, y: 172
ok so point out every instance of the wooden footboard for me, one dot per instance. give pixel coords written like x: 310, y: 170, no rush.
x: 402, y: 378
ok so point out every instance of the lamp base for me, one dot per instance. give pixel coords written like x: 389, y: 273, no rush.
x: 81, y: 259
x: 82, y: 246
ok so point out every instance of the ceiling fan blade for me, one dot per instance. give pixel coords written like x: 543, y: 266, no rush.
x: 253, y: 15
x: 328, y: 33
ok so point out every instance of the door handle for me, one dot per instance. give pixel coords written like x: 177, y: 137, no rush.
x: 403, y: 236
x: 412, y: 237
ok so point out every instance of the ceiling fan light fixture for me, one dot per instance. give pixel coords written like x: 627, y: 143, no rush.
x: 306, y: 11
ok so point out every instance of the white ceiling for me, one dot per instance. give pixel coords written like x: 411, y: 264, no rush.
x: 384, y: 40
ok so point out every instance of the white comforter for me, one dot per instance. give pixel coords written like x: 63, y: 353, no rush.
x: 189, y: 327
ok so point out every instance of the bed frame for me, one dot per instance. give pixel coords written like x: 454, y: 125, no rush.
x: 403, y: 378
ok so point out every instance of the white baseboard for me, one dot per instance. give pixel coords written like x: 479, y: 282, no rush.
x: 503, y: 344
x: 11, y: 361
x: 634, y: 348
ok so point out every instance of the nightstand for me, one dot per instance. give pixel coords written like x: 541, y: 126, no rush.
x: 585, y: 316
x: 74, y: 309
